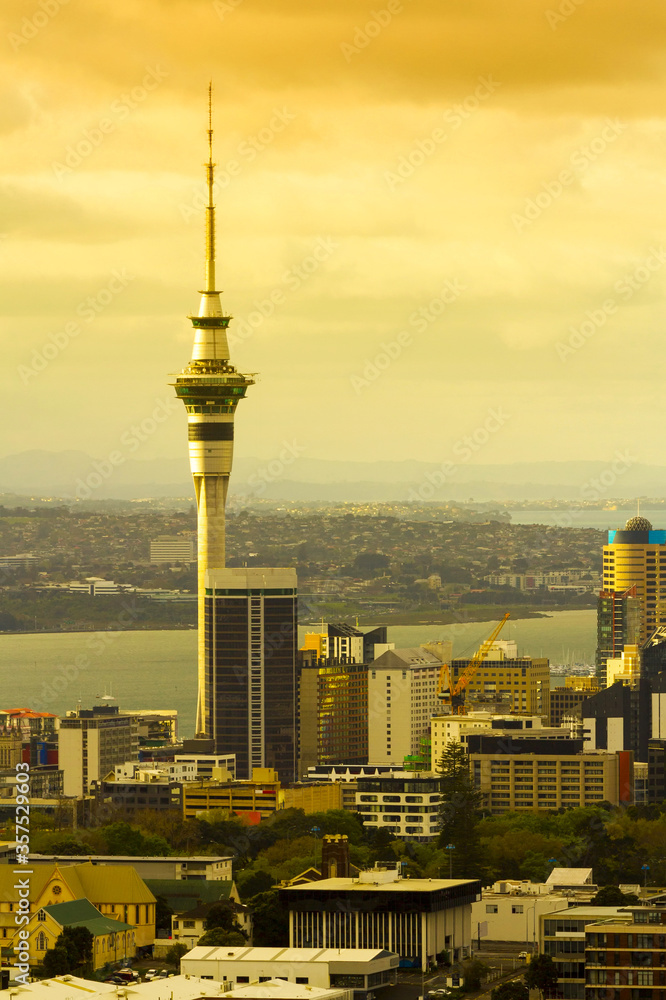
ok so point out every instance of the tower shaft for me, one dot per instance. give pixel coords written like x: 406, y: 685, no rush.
x: 210, y: 387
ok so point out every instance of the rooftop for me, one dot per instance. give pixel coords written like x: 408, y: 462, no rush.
x: 248, y: 954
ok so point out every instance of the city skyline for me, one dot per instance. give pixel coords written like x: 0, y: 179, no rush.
x: 465, y: 197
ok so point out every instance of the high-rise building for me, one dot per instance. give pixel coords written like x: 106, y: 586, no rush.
x: 513, y: 683
x: 249, y: 697
x: 90, y: 744
x: 402, y: 696
x: 635, y: 557
x: 618, y: 625
x: 210, y: 387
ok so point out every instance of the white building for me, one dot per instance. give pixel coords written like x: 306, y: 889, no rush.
x: 417, y: 918
x: 404, y: 803
x: 402, y: 696
x: 184, y: 987
x: 172, y: 549
x: 510, y: 911
x: 91, y: 743
x: 458, y: 728
x: 365, y: 968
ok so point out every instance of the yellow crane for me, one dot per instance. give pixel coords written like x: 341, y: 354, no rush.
x: 454, y: 694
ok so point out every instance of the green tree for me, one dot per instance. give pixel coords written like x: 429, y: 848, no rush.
x: 163, y: 913
x: 222, y: 915
x: 510, y: 991
x: 251, y: 883
x: 72, y: 952
x: 270, y: 920
x: 459, y: 812
x: 175, y: 953
x: 216, y: 937
x: 473, y: 970
x: 56, y: 962
x: 612, y: 895
x: 541, y: 974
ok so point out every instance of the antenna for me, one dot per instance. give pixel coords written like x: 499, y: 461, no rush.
x: 210, y: 207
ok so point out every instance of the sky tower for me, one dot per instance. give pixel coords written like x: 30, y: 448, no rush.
x: 210, y: 387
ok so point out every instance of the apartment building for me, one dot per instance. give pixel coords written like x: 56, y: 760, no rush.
x: 547, y: 775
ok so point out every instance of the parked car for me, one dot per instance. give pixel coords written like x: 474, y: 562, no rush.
x: 523, y: 955
x: 150, y: 974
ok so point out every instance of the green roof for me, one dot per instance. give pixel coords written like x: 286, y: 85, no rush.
x: 82, y: 913
x: 187, y: 894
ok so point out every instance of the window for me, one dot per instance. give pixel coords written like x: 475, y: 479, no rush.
x: 303, y: 980
x: 242, y: 979
x: 517, y: 908
x: 41, y: 915
x: 491, y: 907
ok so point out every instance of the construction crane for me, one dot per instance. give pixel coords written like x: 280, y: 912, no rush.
x: 454, y: 694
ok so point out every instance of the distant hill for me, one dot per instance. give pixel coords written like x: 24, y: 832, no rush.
x: 68, y: 474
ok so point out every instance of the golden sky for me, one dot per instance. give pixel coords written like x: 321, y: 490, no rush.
x: 428, y: 210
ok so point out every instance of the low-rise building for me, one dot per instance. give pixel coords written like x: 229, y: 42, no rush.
x: 562, y: 936
x: 406, y: 805
x: 361, y: 970
x: 625, y: 956
x: 416, y: 918
x: 184, y: 987
x: 112, y: 940
x: 117, y: 892
x: 522, y: 775
x: 186, y: 867
x: 254, y: 800
x: 510, y: 911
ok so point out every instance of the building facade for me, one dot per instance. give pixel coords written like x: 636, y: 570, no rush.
x: 332, y: 715
x: 562, y: 937
x: 90, y: 744
x: 250, y: 681
x: 416, y: 918
x: 519, y: 684
x: 405, y: 805
x: 402, y: 696
x: 635, y: 563
x: 625, y: 957
x: 618, y: 622
x: 523, y: 777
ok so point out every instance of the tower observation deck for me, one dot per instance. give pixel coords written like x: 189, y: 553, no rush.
x: 210, y: 387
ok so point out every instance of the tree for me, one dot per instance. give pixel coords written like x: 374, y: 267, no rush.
x: 612, y: 895
x: 55, y: 962
x: 541, y: 974
x: 459, y: 812
x: 163, y: 913
x: 270, y: 921
x: 218, y: 936
x: 473, y: 970
x: 510, y: 991
x: 254, y: 882
x: 72, y: 952
x: 175, y: 953
x: 222, y: 915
